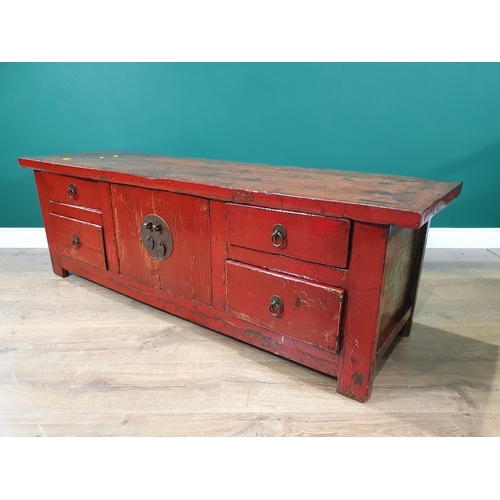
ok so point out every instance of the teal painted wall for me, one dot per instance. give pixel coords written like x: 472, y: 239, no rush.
x: 439, y: 121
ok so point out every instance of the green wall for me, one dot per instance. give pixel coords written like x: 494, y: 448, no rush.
x: 439, y: 121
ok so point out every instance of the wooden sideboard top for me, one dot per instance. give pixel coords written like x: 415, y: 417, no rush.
x: 382, y: 199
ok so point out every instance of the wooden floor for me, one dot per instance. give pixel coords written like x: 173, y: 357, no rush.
x: 77, y: 359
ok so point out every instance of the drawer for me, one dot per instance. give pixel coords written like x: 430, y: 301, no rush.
x: 313, y: 238
x: 76, y: 212
x: 78, y: 239
x: 299, y: 309
x: 72, y: 190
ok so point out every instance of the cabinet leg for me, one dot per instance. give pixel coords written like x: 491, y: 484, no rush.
x: 361, y: 313
x: 56, y: 267
x: 405, y: 331
x: 360, y: 386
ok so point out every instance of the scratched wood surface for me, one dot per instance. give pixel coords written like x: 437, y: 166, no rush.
x: 79, y: 359
x: 311, y: 312
x: 308, y: 237
x: 404, y: 201
x: 187, y: 272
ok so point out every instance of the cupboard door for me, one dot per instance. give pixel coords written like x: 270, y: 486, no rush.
x: 186, y: 272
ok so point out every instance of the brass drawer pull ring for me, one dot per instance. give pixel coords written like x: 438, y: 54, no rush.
x: 279, y: 235
x: 72, y: 192
x: 276, y: 305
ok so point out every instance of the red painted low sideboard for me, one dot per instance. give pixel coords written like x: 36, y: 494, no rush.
x: 318, y: 266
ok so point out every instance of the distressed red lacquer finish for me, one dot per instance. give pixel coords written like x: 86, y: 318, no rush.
x: 301, y: 310
x: 312, y: 238
x: 78, y: 239
x: 187, y: 272
x: 318, y: 266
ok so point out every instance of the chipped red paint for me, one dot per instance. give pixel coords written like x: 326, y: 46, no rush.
x: 311, y: 312
x: 311, y: 238
x: 346, y: 273
x: 405, y: 201
x: 187, y: 273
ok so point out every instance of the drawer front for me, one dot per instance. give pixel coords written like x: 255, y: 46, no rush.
x: 296, y: 308
x: 78, y: 239
x: 72, y: 190
x: 75, y: 212
x: 313, y: 238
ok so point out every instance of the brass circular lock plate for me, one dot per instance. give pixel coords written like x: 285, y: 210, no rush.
x: 156, y: 237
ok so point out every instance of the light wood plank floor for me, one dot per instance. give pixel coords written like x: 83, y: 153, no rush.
x: 77, y: 359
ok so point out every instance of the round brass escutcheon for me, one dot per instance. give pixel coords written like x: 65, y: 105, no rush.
x: 156, y: 237
x: 276, y: 305
x: 278, y: 236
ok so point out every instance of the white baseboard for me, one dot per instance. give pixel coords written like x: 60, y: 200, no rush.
x: 463, y: 237
x: 23, y: 237
x: 34, y: 237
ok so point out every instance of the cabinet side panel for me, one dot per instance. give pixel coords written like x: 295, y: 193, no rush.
x: 397, y: 273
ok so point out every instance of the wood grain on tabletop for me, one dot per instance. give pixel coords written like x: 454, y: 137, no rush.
x: 405, y: 201
x: 79, y: 359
